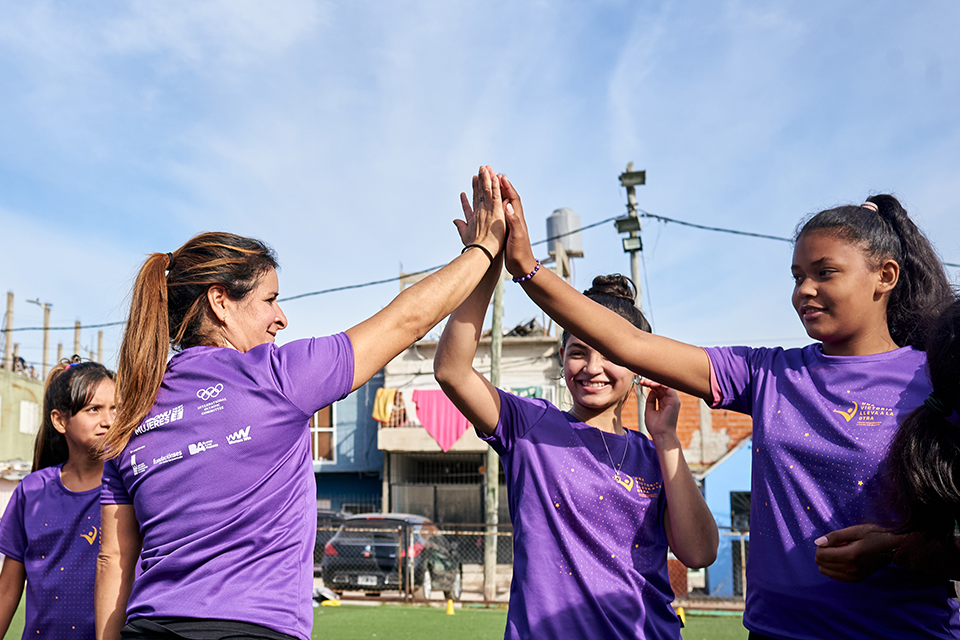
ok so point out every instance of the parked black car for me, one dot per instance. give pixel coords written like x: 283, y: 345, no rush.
x: 328, y: 522
x: 376, y: 552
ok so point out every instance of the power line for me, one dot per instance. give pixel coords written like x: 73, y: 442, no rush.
x: 647, y: 214
x: 71, y: 328
x: 644, y: 214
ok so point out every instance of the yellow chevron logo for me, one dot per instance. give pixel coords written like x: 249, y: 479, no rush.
x: 90, y: 537
x: 848, y: 415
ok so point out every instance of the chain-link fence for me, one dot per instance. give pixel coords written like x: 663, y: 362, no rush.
x: 425, y: 561
x: 722, y: 584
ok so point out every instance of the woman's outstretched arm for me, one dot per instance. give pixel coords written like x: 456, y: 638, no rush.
x: 691, y: 530
x: 679, y: 365
x: 473, y: 394
x: 414, y: 312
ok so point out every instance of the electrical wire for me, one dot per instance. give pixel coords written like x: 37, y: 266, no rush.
x: 641, y: 213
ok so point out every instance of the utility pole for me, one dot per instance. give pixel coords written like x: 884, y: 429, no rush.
x: 100, y: 346
x: 492, y: 459
x: 633, y: 245
x: 76, y: 337
x: 46, y: 334
x: 631, y: 224
x: 8, y: 336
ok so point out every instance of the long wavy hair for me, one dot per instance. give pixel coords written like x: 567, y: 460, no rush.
x: 924, y: 455
x: 169, y: 310
x: 888, y: 233
x: 70, y: 387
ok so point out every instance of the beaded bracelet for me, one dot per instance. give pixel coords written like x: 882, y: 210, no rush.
x: 522, y: 279
x: 481, y: 247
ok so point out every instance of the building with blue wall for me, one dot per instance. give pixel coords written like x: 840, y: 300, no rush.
x: 726, y: 488
x: 346, y: 460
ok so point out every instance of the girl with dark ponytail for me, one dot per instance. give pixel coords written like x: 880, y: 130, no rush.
x: 594, y: 506
x: 50, y: 531
x: 867, y: 287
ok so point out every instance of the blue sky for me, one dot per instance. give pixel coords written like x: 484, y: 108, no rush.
x: 342, y: 133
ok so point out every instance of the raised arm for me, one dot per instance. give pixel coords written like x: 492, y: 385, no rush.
x: 689, y: 525
x: 418, y: 309
x: 120, y: 546
x: 473, y: 394
x: 679, y: 365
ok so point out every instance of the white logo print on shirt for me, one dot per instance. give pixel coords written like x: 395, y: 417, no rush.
x: 209, y: 392
x: 240, y: 436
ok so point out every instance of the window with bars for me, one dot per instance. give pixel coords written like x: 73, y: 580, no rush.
x: 323, y: 436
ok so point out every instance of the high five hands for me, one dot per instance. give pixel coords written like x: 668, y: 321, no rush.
x: 495, y: 199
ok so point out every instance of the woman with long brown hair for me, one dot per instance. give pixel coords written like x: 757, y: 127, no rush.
x: 209, y: 479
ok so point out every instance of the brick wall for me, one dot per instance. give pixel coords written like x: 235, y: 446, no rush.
x: 700, y: 447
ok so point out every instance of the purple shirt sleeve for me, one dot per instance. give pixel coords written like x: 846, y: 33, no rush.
x: 730, y: 377
x: 13, y: 536
x: 313, y: 357
x: 112, y: 489
x: 517, y: 417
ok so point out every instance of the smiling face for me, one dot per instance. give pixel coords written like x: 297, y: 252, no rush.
x: 595, y: 384
x: 840, y: 296
x: 84, y: 429
x: 256, y: 319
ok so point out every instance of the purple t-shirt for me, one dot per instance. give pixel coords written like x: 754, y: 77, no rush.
x: 221, y: 477
x: 821, y: 427
x: 589, y: 553
x: 55, y: 533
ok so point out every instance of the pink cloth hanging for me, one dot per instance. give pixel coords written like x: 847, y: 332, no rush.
x: 439, y: 417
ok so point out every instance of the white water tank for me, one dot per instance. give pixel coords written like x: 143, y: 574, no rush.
x: 561, y: 222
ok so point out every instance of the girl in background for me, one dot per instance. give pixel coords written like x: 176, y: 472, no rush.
x: 49, y: 534
x: 593, y: 505
x: 867, y: 286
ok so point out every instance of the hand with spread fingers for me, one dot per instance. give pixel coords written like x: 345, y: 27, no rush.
x: 483, y: 222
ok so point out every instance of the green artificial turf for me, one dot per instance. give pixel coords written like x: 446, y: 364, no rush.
x: 356, y: 622
x: 353, y: 622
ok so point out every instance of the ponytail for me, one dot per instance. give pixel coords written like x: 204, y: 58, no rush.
x: 885, y: 231
x: 143, y: 353
x: 924, y: 456
x: 170, y: 311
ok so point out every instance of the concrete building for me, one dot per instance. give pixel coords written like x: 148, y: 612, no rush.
x: 447, y: 486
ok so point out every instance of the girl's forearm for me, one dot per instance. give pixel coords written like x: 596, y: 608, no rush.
x: 681, y: 366
x: 690, y: 527
x: 472, y: 394
x: 12, y: 577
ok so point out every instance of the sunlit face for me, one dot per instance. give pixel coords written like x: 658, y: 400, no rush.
x: 257, y: 318
x: 595, y: 383
x: 84, y: 429
x: 837, y: 293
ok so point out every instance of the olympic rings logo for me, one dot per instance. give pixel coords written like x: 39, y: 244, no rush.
x: 209, y: 392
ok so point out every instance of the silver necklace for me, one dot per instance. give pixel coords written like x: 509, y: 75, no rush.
x: 626, y: 443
